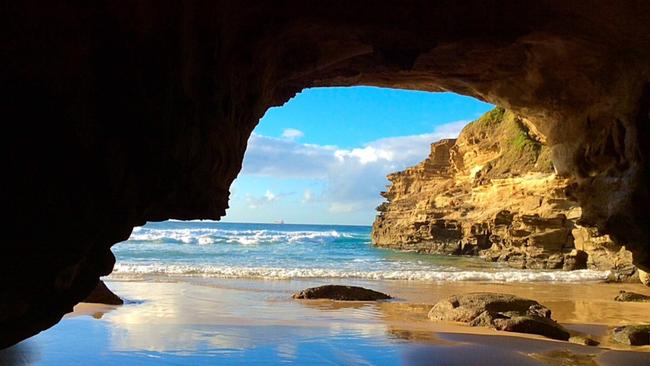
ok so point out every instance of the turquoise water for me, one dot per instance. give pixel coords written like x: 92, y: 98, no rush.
x: 286, y: 251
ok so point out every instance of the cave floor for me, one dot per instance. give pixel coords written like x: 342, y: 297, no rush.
x: 199, y: 320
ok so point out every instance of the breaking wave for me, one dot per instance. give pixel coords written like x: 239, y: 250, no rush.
x: 125, y: 269
x: 205, y: 236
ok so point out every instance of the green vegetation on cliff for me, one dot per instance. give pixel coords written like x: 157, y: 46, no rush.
x: 507, y: 134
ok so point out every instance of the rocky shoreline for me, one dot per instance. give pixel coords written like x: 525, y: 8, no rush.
x: 495, y: 193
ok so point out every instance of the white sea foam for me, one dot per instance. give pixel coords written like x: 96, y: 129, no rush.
x: 244, y: 237
x: 412, y: 275
x: 205, y: 240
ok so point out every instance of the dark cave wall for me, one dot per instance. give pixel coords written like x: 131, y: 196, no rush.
x: 116, y: 114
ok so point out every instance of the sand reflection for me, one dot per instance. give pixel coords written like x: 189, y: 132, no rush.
x: 181, y: 317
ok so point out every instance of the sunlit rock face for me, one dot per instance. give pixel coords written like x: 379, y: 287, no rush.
x: 116, y: 114
x: 494, y: 192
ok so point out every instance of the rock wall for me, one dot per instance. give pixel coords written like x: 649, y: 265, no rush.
x: 494, y: 192
x: 117, y: 113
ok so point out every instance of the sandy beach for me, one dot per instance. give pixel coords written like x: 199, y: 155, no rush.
x: 241, y: 321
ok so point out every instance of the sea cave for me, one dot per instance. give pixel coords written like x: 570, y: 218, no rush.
x: 120, y: 114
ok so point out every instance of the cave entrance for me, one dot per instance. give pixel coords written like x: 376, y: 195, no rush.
x: 315, y: 172
x: 312, y: 165
x: 144, y: 115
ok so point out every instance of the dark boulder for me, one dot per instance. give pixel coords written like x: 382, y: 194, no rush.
x: 632, y: 335
x: 625, y: 296
x: 342, y: 293
x: 532, y: 325
x: 500, y: 311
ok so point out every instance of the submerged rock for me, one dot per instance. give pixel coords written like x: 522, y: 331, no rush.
x: 342, y: 293
x: 103, y: 295
x: 500, y: 311
x: 625, y: 296
x: 632, y: 335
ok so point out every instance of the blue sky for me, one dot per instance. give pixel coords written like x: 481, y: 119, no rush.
x: 323, y: 157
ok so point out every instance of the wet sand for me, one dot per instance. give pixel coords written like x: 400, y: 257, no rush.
x: 197, y: 320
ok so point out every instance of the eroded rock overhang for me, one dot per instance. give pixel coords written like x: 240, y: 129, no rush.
x: 118, y: 114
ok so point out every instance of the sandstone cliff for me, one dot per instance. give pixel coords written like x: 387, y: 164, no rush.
x: 494, y: 192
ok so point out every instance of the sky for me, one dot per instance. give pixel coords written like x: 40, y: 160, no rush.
x: 323, y: 157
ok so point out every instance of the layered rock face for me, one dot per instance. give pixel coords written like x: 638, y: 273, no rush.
x: 120, y: 113
x: 494, y: 192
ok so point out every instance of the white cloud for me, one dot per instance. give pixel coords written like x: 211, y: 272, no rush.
x: 353, y: 177
x: 292, y: 134
x: 365, y: 155
x: 307, y: 196
x: 259, y: 201
x: 273, y: 157
x: 270, y: 196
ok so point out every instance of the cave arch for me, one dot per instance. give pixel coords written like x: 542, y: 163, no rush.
x: 119, y: 115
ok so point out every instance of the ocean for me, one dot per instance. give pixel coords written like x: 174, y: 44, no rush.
x: 291, y: 251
